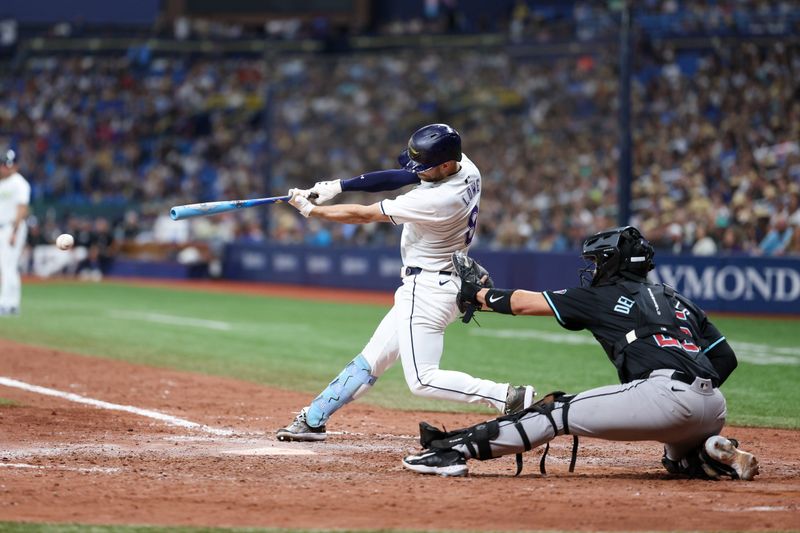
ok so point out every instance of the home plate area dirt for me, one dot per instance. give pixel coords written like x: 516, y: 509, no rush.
x: 68, y: 462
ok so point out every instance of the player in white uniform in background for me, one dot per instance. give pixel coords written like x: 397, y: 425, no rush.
x: 439, y: 217
x: 15, y: 195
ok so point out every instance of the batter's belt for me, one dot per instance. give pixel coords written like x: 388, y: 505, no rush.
x: 413, y: 271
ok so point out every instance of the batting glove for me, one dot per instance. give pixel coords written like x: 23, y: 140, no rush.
x: 300, y: 202
x: 324, y: 191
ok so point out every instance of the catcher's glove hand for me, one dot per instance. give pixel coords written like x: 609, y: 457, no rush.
x: 473, y: 278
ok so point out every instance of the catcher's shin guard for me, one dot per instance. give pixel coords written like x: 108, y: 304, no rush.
x: 340, y: 391
x: 477, y: 439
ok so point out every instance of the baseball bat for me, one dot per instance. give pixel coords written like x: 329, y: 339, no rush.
x: 181, y: 212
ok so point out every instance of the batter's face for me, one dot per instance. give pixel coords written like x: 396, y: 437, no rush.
x: 440, y: 172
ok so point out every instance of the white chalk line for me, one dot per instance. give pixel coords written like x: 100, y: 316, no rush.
x: 77, y: 398
x: 527, y: 334
x: 757, y: 354
x: 91, y: 470
x: 172, y: 320
x: 757, y: 508
x: 268, y: 450
x: 259, y: 328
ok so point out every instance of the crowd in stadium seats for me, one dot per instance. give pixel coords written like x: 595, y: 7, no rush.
x: 587, y: 20
x: 716, y: 159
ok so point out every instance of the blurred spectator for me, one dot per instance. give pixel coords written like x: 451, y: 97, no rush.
x: 777, y: 241
x: 704, y: 244
x: 130, y: 228
x: 104, y: 246
x: 675, y: 240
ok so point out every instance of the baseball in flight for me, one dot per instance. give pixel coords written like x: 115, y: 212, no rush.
x: 65, y: 241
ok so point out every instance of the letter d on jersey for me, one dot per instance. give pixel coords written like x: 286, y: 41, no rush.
x: 624, y: 305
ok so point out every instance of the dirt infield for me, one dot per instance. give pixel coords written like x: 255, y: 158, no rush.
x: 63, y: 461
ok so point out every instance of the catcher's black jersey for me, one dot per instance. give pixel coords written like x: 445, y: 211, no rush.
x: 612, y: 311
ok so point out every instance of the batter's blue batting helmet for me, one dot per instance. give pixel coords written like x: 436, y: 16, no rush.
x: 430, y: 146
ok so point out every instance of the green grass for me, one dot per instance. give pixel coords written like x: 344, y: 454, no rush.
x: 302, y: 345
x: 4, y: 402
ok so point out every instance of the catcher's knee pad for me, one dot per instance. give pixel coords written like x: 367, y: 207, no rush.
x: 340, y: 391
x: 476, y: 438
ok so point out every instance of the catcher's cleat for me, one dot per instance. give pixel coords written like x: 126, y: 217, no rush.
x: 440, y: 462
x: 519, y: 398
x: 726, y: 452
x: 299, y: 430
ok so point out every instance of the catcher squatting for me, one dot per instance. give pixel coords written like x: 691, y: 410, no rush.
x: 670, y: 360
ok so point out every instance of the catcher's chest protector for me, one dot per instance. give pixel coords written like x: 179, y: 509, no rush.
x: 657, y: 314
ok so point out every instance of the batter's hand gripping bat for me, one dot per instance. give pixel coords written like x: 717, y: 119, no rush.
x: 181, y: 212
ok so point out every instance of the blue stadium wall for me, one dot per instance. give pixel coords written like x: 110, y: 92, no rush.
x: 729, y: 284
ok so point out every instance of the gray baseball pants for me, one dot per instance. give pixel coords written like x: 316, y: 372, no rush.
x: 658, y: 408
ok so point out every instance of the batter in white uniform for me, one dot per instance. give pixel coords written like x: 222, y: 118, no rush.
x: 15, y: 195
x: 439, y: 217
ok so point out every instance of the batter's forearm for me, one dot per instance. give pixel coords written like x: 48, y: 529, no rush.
x: 349, y: 213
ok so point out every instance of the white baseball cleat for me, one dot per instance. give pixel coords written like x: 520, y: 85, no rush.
x: 726, y: 451
x: 519, y: 398
x: 440, y: 462
x: 299, y: 430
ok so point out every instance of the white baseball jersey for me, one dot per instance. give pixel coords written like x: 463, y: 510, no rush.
x: 14, y: 190
x: 438, y: 218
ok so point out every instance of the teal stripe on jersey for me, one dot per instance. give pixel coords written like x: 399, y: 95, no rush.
x: 553, y: 307
x: 715, y: 343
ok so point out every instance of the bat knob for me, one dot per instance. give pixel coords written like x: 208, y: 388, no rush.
x: 173, y: 214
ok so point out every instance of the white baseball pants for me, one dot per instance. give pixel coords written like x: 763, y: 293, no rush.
x: 10, y: 281
x: 413, y: 330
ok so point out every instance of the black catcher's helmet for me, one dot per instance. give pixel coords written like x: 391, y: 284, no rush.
x: 617, y: 252
x: 430, y: 146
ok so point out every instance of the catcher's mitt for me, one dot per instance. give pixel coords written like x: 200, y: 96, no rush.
x: 473, y: 278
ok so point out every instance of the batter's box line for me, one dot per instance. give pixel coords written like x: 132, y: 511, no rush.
x: 77, y: 398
